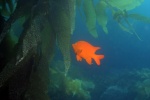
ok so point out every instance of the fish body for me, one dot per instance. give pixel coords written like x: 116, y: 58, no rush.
x: 86, y: 51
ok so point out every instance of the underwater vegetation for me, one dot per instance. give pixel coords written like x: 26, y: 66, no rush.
x: 30, y: 33
x: 32, y: 30
x: 124, y: 85
x: 120, y: 12
x: 143, y: 73
x: 64, y: 27
x: 67, y: 86
x: 7, y: 7
x: 143, y: 89
x: 27, y: 66
x: 127, y: 84
x: 142, y: 85
x: 112, y: 92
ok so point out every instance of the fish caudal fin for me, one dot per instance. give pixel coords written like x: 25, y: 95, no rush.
x: 97, y: 58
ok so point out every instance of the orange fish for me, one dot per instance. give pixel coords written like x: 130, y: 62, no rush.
x: 86, y: 51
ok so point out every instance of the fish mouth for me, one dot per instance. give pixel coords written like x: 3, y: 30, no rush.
x: 73, y: 45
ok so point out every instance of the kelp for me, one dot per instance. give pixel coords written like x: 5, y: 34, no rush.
x: 39, y: 78
x: 24, y: 55
x: 101, y: 15
x: 124, y: 4
x: 78, y: 2
x: 122, y: 18
x: 75, y: 87
x: 29, y: 65
x: 118, y: 8
x: 27, y: 74
x: 7, y: 7
x: 124, y: 15
x: 63, y: 27
x: 120, y: 14
x: 22, y: 9
x: 67, y: 85
x: 139, y: 17
x: 72, y: 7
x: 143, y: 89
x: 90, y: 14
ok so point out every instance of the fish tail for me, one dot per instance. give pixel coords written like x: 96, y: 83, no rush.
x: 97, y: 59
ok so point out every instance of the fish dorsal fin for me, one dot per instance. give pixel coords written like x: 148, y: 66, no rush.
x: 78, y: 51
x: 96, y: 48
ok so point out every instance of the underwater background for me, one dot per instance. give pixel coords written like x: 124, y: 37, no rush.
x: 125, y: 70
x: 38, y: 60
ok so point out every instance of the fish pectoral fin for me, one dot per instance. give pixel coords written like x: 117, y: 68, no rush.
x: 89, y: 60
x: 79, y: 51
x: 78, y: 58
